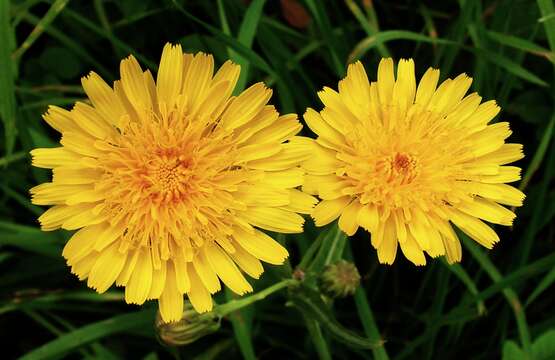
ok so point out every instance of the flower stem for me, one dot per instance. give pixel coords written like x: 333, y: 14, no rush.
x: 11, y: 158
x: 234, y: 305
x: 510, y: 294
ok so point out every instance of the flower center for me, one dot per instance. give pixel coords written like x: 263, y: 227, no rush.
x: 403, y: 168
x: 168, y: 176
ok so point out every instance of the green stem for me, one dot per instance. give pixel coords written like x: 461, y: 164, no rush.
x: 510, y: 294
x: 318, y: 338
x: 12, y: 158
x: 234, y: 305
x: 51, y: 14
x: 366, y: 316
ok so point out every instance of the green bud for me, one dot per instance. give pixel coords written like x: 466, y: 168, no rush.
x: 190, y: 328
x: 340, y: 279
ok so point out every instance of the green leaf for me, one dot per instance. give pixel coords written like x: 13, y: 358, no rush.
x: 89, y: 333
x: 309, y: 302
x: 333, y: 244
x: 48, y: 18
x: 521, y: 44
x: 252, y: 56
x: 320, y: 14
x: 8, y: 71
x: 544, y: 284
x: 30, y: 239
x: 543, y: 347
x: 247, y: 32
x: 511, y: 351
x: 548, y: 10
x: 370, y: 42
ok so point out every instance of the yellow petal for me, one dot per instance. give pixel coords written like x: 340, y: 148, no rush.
x: 134, y: 85
x: 487, y: 210
x: 386, y: 80
x: 368, y: 217
x: 54, y: 157
x: 197, y: 79
x: 247, y: 262
x: 206, y: 273
x: 387, y: 248
x: 261, y: 246
x: 329, y: 210
x: 199, y: 297
x: 227, y: 270
x: 412, y: 251
x: 81, y: 243
x: 60, y: 119
x: 82, y: 268
x: 170, y: 75
x: 91, y: 122
x: 300, y: 202
x: 284, y: 179
x: 348, y: 220
x: 182, y: 277
x: 106, y: 268
x: 246, y: 106
x: 274, y: 219
x: 171, y: 301
x: 322, y: 128
x: 405, y: 86
x: 140, y: 282
x: 103, y: 97
x: 158, y: 282
x: 427, y: 87
x: 282, y: 129
x: 128, y: 268
x: 475, y: 228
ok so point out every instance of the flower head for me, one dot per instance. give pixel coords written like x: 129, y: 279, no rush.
x: 408, y: 161
x: 170, y: 181
x: 340, y: 279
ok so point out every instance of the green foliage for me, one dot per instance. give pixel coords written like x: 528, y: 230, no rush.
x: 494, y: 304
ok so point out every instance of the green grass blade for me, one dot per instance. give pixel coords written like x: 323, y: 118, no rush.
x: 510, y: 294
x: 547, y: 10
x: 539, y: 154
x: 463, y: 276
x: 521, y: 44
x: 50, y: 15
x: 8, y: 71
x: 366, y: 316
x: 370, y: 42
x: 320, y: 14
x: 533, y: 225
x: 369, y: 28
x: 318, y: 339
x: 253, y: 57
x: 71, y: 44
x: 544, y: 284
x: 241, y: 321
x: 89, y: 333
x: 119, y: 44
x: 247, y: 32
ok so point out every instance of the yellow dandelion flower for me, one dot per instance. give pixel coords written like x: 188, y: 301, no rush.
x: 170, y: 181
x: 407, y: 161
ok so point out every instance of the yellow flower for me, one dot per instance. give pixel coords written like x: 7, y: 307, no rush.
x: 406, y: 162
x: 170, y: 181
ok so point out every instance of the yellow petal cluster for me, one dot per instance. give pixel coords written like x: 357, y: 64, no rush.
x: 169, y: 182
x: 406, y: 161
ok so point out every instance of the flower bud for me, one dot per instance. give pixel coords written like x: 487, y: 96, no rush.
x: 190, y: 328
x: 340, y: 279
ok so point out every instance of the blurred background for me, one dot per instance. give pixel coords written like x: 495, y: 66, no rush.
x: 496, y: 304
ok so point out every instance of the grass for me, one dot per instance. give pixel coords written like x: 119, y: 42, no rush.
x: 495, y: 304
